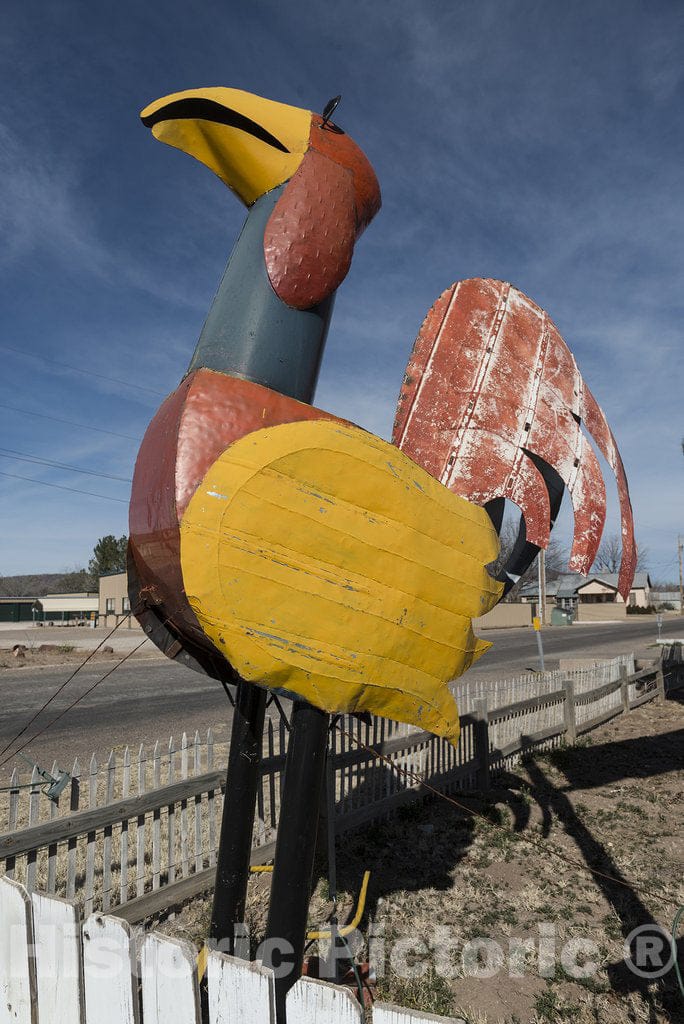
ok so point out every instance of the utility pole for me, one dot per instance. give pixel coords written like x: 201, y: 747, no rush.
x: 681, y: 578
x: 542, y: 585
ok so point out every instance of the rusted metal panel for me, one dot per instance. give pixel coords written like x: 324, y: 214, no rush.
x: 597, y: 425
x: 206, y: 413
x: 490, y: 385
x: 309, y: 239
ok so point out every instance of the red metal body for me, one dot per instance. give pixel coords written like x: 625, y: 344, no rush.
x: 489, y: 386
x: 194, y: 425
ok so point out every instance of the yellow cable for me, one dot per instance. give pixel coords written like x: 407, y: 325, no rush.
x: 202, y: 958
x: 347, y: 929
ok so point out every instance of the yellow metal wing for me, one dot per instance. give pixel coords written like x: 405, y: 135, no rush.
x: 325, y: 563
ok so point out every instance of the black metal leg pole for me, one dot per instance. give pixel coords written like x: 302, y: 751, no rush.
x: 296, y: 845
x: 235, y: 846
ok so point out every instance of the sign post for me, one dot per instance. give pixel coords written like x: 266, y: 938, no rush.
x: 536, y: 622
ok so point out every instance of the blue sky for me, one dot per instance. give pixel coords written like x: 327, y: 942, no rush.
x: 538, y: 142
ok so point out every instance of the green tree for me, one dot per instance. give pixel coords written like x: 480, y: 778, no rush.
x: 109, y: 555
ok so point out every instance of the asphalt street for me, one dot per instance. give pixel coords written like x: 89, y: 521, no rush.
x: 151, y: 699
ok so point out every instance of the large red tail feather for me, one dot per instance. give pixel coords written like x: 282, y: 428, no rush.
x: 489, y: 384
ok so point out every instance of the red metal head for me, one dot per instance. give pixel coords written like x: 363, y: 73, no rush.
x: 254, y: 146
x: 329, y: 201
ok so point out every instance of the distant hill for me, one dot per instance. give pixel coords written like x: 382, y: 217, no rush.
x: 40, y: 584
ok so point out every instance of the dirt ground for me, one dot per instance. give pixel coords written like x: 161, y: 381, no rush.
x: 518, y: 876
x: 38, y: 655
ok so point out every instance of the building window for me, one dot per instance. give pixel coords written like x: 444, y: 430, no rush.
x: 109, y: 605
x: 125, y: 605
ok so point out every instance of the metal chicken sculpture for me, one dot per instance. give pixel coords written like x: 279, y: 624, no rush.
x: 272, y: 543
x: 306, y: 554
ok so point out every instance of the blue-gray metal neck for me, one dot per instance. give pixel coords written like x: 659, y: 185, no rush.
x: 249, y: 332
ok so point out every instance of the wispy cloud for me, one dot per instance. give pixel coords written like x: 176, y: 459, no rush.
x: 46, y: 208
x: 528, y: 141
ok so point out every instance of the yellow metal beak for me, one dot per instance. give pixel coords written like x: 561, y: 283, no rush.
x: 252, y: 144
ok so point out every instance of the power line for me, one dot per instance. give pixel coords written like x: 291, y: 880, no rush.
x: 69, y: 423
x: 73, y: 704
x: 61, y: 487
x: 57, y: 692
x: 79, y: 369
x: 10, y: 453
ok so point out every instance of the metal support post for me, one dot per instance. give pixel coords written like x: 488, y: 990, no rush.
x: 542, y: 586
x: 235, y: 846
x: 296, y: 846
x: 482, y: 744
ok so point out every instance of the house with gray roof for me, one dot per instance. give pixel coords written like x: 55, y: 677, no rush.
x: 580, y: 595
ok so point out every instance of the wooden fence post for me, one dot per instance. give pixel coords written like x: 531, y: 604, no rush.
x: 569, y: 712
x: 481, y: 737
x: 624, y: 689
x: 660, y: 683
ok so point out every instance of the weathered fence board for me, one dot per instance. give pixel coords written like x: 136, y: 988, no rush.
x: 311, y: 1001
x: 58, y: 959
x: 64, y: 979
x: 168, y: 976
x: 239, y: 992
x: 172, y: 799
x: 17, y: 971
x: 96, y: 818
x: 108, y: 970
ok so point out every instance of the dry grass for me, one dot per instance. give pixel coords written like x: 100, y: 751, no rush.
x: 614, y: 802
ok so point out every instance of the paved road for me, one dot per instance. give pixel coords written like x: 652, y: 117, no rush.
x: 152, y: 699
x: 515, y: 650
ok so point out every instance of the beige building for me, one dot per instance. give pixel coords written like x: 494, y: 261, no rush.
x: 113, y: 603
x: 68, y: 608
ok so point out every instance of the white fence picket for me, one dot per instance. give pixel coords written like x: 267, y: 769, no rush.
x: 182, y: 835
x: 141, y: 826
x: 385, y: 1013
x: 108, y: 832
x: 72, y: 851
x: 239, y: 992
x: 92, y: 837
x: 57, y: 935
x: 123, y: 838
x: 156, y: 819
x: 170, y: 993
x: 53, y: 972
x: 108, y: 967
x: 17, y: 974
x: 311, y: 1001
x: 34, y: 818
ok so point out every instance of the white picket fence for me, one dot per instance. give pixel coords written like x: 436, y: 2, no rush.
x: 140, y: 833
x: 56, y: 970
